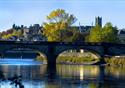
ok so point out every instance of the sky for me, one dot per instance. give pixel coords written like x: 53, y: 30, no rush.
x: 29, y: 12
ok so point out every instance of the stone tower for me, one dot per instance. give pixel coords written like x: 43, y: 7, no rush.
x: 98, y: 21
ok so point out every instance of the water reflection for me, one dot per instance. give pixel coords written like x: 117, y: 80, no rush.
x: 116, y: 72
x: 78, y: 71
x: 67, y: 76
x: 27, y: 71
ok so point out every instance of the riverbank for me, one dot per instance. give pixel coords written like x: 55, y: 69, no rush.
x: 109, y: 61
x: 76, y: 60
x: 119, y: 61
x: 73, y: 58
x: 80, y: 59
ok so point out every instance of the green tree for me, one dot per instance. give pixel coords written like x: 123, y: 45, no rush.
x: 106, y: 34
x: 58, y: 22
x: 78, y: 37
x: 95, y: 34
x: 109, y: 33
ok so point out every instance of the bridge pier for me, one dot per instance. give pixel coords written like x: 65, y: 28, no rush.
x: 2, y: 56
x: 101, y: 76
x: 102, y: 61
x: 51, y: 66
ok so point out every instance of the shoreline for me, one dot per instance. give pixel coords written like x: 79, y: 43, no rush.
x: 74, y: 60
x: 90, y: 63
x: 106, y: 64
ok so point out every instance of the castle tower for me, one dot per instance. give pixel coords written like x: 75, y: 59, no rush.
x: 14, y: 26
x: 98, y: 21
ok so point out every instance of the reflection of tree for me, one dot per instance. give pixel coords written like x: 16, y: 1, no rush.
x: 79, y: 71
x: 115, y: 72
x: 92, y: 85
x: 52, y: 85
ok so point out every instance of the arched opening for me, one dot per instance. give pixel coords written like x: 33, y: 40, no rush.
x: 79, y: 56
x: 24, y: 54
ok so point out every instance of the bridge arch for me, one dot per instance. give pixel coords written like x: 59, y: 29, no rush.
x: 77, y: 56
x: 80, y: 51
x: 98, y: 51
x: 34, y: 49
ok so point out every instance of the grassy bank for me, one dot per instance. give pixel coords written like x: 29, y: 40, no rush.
x: 120, y: 61
x: 76, y: 60
x: 71, y: 60
x: 41, y: 58
x: 115, y: 61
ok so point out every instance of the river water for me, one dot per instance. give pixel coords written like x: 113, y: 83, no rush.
x: 35, y: 75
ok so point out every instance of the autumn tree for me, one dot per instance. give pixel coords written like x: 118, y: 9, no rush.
x: 10, y: 33
x: 58, y: 22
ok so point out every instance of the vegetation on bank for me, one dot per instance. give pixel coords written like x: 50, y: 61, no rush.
x: 41, y: 58
x: 71, y: 60
x: 120, y: 61
x: 115, y: 61
x: 76, y: 60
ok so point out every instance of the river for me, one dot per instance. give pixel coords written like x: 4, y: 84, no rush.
x: 35, y: 75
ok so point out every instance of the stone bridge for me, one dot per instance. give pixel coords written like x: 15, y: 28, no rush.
x: 52, y: 49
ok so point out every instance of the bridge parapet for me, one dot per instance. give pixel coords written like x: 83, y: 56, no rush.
x: 55, y: 48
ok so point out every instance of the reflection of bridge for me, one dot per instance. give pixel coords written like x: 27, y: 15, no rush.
x: 52, y: 49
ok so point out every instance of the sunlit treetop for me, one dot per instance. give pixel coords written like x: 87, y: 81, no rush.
x: 59, y: 15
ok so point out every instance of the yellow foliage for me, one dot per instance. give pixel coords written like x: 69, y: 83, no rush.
x: 58, y: 20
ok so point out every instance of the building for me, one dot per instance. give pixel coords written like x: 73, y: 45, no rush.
x: 26, y: 34
x: 121, y: 35
x: 35, y: 29
x: 31, y: 33
x: 87, y: 28
x: 98, y: 21
x: 34, y: 32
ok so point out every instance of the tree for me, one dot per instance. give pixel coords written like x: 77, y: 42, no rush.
x: 58, y: 20
x: 78, y: 37
x: 106, y: 34
x: 72, y: 35
x: 95, y: 34
x: 60, y: 16
x: 10, y: 33
x: 109, y: 33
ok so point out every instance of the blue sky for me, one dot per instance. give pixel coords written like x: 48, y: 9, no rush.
x: 27, y: 12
